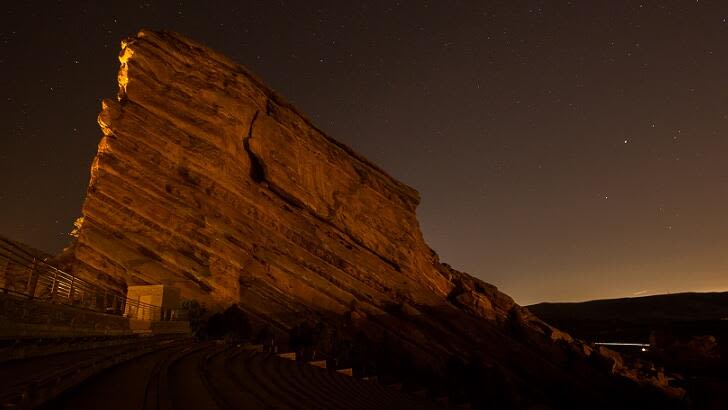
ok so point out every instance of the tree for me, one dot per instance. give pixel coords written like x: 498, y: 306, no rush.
x: 231, y: 324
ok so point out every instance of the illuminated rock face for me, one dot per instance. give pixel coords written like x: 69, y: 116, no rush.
x: 207, y: 181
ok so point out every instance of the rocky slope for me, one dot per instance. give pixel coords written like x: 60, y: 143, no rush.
x: 207, y: 180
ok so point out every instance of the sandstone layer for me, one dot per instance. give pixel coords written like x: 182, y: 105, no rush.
x: 207, y: 180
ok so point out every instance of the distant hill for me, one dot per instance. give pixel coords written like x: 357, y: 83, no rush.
x: 659, y: 308
x: 635, y: 318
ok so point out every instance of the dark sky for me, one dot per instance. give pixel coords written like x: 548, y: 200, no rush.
x: 563, y: 150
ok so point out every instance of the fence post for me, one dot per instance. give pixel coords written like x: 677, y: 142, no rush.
x: 54, y: 285
x: 32, y: 279
x: 70, y: 290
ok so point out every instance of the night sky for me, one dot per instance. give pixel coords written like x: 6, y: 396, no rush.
x: 563, y: 150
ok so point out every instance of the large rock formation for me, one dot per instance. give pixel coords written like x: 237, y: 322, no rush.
x: 207, y: 180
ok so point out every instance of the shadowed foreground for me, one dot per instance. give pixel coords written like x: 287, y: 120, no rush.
x: 217, y: 376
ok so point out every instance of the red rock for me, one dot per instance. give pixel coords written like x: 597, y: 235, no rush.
x: 207, y: 180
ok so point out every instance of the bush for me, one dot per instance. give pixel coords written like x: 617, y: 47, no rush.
x: 194, y: 312
x: 231, y: 324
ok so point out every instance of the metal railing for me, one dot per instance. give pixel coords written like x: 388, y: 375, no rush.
x: 28, y: 275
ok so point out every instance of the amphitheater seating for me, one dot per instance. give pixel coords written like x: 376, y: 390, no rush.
x: 220, y: 376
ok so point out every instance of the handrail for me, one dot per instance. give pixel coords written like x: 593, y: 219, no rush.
x: 45, y: 265
x: 22, y: 273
